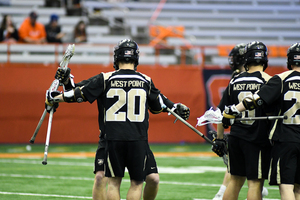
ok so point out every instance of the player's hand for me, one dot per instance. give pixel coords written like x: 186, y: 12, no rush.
x: 182, y: 110
x: 219, y: 147
x: 229, y: 114
x: 62, y: 75
x: 49, y: 102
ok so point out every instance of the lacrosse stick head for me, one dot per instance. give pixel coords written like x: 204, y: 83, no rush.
x: 210, y: 116
x: 67, y: 56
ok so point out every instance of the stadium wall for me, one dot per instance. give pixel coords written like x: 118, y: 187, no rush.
x: 23, y: 86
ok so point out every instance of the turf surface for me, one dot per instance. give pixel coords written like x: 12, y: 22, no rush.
x: 185, y: 177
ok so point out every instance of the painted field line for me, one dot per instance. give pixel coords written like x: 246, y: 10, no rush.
x: 92, y: 154
x: 44, y: 195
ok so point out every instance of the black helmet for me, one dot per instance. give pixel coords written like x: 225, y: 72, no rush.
x: 293, y: 55
x: 256, y: 52
x: 126, y: 50
x: 236, y: 56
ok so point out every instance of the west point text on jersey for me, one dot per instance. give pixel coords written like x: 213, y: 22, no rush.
x: 245, y: 86
x: 133, y: 83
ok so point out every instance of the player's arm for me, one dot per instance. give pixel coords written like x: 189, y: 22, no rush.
x: 155, y: 106
x: 71, y: 96
x: 250, y: 102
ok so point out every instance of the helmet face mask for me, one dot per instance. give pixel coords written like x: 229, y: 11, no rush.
x: 236, y: 57
x: 126, y: 51
x: 293, y: 55
x: 256, y: 53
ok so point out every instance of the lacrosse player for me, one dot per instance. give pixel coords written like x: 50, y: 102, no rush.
x: 248, y: 145
x: 282, y: 93
x: 123, y: 98
x: 236, y: 62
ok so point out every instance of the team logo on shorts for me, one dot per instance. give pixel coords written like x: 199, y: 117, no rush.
x: 100, y: 161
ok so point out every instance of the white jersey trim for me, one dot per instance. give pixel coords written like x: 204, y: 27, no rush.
x: 127, y: 76
x: 293, y: 78
x: 247, y: 79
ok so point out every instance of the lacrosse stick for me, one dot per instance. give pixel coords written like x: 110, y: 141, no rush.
x: 183, y: 121
x: 63, y: 64
x: 54, y: 86
x: 215, y: 117
x: 38, y: 127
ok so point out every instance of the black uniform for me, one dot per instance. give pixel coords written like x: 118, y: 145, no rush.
x: 283, y: 90
x: 248, y: 145
x: 123, y: 98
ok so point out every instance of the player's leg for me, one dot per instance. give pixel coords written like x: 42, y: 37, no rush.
x: 254, y: 189
x: 297, y: 177
x: 236, y: 168
x: 99, y: 187
x: 113, y: 188
x: 135, y: 190
x: 223, y: 187
x: 297, y: 191
x: 257, y: 160
x: 233, y: 189
x: 152, y: 177
x: 115, y: 167
x: 136, y: 159
x: 151, y: 186
x: 284, y: 168
x: 286, y: 191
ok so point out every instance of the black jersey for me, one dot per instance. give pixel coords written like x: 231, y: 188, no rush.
x: 239, y: 87
x: 284, y: 90
x: 123, y: 99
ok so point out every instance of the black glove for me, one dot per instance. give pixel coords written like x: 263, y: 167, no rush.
x: 213, y: 134
x: 229, y: 114
x: 219, y: 147
x: 62, y: 75
x: 182, y: 110
x: 49, y: 103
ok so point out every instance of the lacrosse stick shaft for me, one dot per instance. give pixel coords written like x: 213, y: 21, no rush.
x: 54, y: 86
x: 38, y: 127
x: 189, y: 125
x: 48, y: 137
x: 261, y: 118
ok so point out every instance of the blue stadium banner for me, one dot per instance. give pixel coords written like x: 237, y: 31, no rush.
x: 216, y: 81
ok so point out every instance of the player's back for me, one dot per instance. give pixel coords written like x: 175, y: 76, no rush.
x: 125, y: 100
x: 239, y: 87
x: 287, y: 96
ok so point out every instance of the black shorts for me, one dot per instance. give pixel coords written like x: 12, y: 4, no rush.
x: 151, y: 166
x: 130, y: 154
x: 99, y: 159
x: 248, y: 159
x: 285, y: 164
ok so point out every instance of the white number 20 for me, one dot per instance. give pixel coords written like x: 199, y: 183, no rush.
x: 130, y: 98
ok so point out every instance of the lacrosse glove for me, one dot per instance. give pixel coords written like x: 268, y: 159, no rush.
x: 62, y: 75
x: 49, y: 103
x: 182, y: 110
x: 229, y: 114
x: 220, y: 147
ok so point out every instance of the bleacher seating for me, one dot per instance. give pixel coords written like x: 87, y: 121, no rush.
x: 206, y: 22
